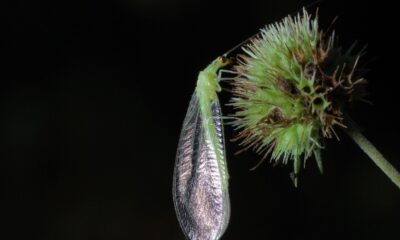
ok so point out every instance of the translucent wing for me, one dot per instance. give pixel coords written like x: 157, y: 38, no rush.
x: 200, y: 197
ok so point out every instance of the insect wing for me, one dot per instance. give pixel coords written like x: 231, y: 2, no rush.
x: 200, y: 197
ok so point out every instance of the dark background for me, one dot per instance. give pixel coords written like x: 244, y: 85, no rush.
x: 93, y: 94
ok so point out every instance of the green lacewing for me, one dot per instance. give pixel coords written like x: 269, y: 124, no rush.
x: 200, y: 185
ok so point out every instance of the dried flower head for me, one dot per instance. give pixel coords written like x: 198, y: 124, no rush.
x: 291, y: 85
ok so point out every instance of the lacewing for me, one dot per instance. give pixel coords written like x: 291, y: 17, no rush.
x: 200, y: 184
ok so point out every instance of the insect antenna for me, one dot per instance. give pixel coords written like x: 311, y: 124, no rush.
x: 255, y: 35
x: 240, y: 44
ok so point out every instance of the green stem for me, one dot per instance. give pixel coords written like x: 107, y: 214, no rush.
x: 354, y: 132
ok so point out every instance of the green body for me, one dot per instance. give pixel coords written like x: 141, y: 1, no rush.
x: 206, y: 91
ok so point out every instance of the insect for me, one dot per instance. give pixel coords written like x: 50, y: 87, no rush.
x: 200, y: 184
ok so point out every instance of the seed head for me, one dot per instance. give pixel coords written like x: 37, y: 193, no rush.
x: 291, y: 85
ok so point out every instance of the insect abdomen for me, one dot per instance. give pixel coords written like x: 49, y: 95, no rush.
x: 200, y: 197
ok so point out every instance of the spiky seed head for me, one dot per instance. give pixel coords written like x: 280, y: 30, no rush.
x: 291, y: 85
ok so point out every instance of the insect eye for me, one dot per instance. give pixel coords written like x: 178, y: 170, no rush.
x: 224, y: 59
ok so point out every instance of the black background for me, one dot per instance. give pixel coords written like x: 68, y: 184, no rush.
x: 93, y: 94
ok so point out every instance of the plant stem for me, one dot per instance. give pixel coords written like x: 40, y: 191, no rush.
x: 354, y: 132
